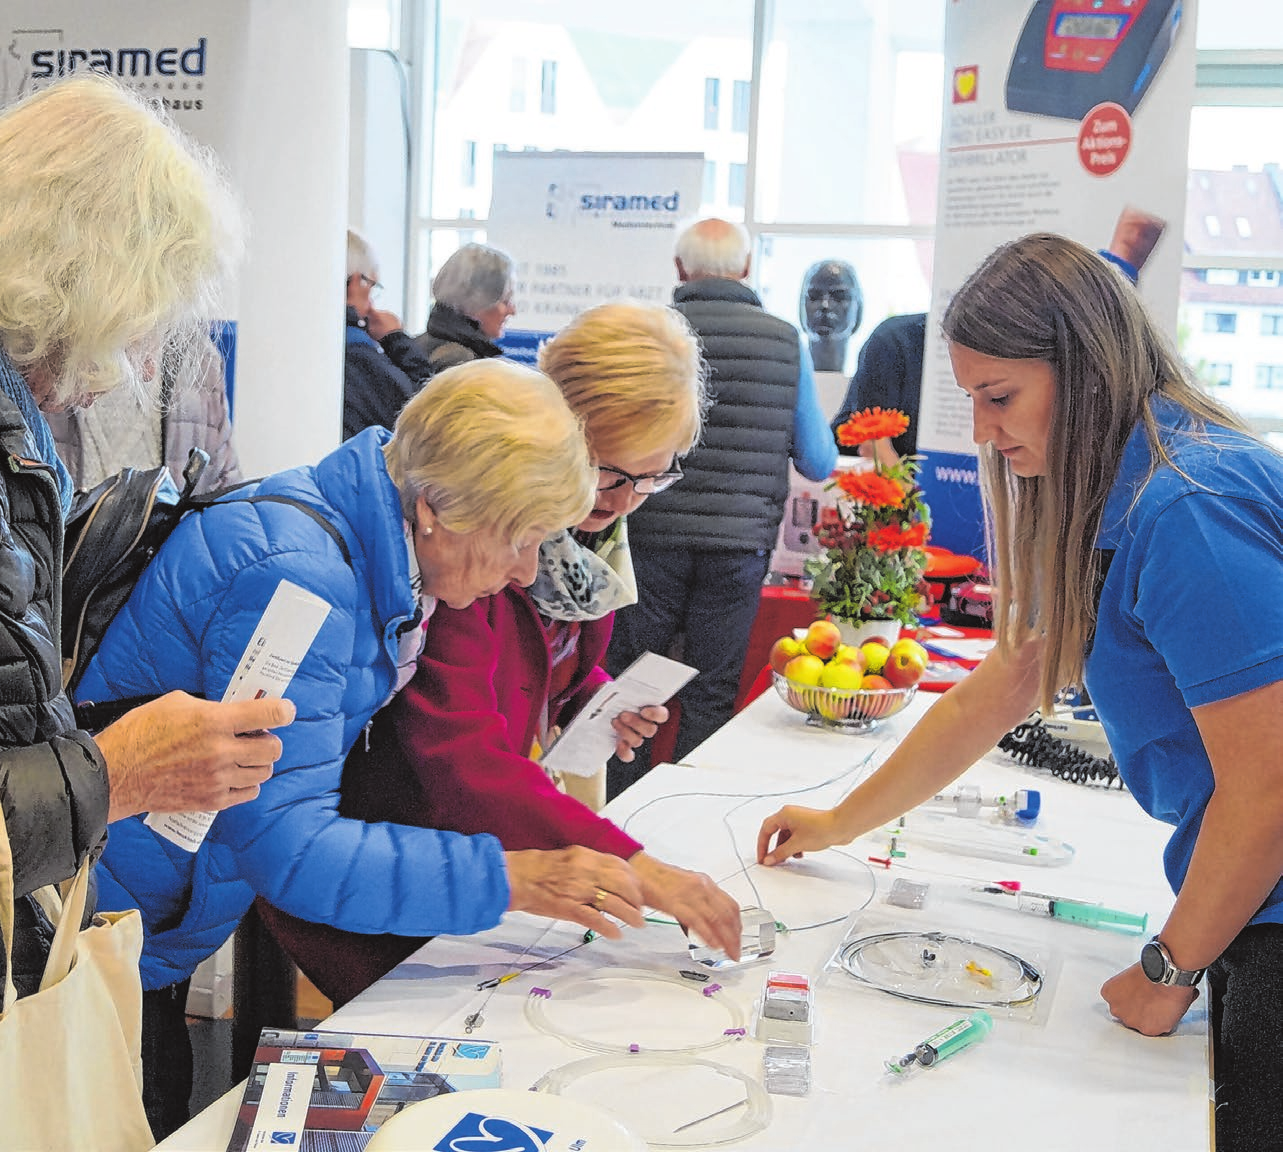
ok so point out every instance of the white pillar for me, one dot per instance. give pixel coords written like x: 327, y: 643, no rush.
x: 291, y: 168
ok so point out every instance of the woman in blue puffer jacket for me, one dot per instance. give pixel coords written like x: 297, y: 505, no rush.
x: 452, y: 506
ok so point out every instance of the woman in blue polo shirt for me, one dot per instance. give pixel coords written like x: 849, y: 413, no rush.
x: 1126, y: 511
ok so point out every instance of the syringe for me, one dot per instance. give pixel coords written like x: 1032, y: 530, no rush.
x: 1010, y: 893
x: 968, y: 800
x: 945, y: 1043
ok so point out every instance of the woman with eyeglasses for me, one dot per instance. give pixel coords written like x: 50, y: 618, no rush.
x: 382, y: 365
x: 453, y: 751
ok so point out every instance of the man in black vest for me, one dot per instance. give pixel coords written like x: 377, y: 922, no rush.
x: 701, y: 549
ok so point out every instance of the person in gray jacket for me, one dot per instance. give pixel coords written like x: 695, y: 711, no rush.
x: 701, y: 549
x: 126, y: 430
x: 472, y: 301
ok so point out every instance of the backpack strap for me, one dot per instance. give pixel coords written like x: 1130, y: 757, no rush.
x: 307, y: 509
x: 93, y: 716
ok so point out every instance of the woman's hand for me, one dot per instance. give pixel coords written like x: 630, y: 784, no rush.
x: 575, y: 884
x: 181, y: 754
x: 1138, y: 1003
x: 797, y: 830
x: 632, y: 729
x: 693, y: 900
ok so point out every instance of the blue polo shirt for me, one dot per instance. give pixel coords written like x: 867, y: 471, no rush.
x: 1191, y: 612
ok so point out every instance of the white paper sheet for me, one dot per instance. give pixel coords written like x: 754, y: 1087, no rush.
x: 589, y: 740
x: 285, y: 632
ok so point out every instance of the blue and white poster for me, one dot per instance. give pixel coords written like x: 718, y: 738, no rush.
x: 1067, y: 116
x: 588, y: 228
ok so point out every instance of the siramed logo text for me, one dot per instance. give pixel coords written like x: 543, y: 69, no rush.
x: 590, y: 202
x: 124, y: 62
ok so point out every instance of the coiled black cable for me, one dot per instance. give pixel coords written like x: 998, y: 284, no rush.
x: 1030, y: 743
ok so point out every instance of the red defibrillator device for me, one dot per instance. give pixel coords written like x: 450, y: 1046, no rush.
x: 1075, y: 54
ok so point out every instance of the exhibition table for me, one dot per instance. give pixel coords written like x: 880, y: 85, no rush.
x: 1068, y: 1077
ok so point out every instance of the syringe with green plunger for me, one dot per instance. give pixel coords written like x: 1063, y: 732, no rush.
x: 945, y: 1043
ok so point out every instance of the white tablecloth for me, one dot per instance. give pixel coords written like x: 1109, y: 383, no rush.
x: 1071, y: 1078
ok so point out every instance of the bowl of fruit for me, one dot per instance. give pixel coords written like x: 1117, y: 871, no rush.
x: 843, y: 687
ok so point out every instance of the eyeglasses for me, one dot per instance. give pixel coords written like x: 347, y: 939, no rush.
x: 373, y: 285
x: 608, y: 479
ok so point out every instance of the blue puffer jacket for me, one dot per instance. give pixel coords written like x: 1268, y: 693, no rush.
x: 186, y: 626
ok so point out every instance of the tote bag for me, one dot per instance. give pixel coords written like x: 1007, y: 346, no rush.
x: 70, y: 1054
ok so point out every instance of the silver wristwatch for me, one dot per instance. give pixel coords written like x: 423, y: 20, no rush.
x: 1156, y: 963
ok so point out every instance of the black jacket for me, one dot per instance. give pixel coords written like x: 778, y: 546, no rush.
x: 737, y: 478
x: 378, y: 376
x: 53, y: 781
x: 453, y: 338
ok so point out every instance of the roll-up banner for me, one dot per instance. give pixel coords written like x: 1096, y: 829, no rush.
x: 189, y: 58
x: 1067, y: 116
x: 587, y: 228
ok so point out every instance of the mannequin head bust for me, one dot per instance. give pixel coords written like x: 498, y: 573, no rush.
x: 830, y: 308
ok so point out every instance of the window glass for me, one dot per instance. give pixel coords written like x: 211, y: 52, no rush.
x: 374, y: 24
x: 741, y: 106
x: 1239, y: 24
x: 1269, y: 376
x: 893, y: 275
x: 1232, y: 287
x: 712, y: 103
x: 849, y: 113
x: 607, y: 83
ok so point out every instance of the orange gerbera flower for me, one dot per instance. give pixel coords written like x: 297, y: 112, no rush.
x: 871, y: 488
x: 872, y: 424
x: 892, y: 538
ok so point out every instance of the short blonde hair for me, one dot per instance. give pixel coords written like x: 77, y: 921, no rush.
x: 633, y: 373
x: 118, y: 232
x: 492, y: 446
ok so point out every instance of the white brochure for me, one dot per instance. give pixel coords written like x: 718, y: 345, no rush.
x: 285, y: 632
x: 589, y: 740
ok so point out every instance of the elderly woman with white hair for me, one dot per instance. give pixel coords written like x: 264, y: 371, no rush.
x: 449, y: 507
x: 472, y: 301
x: 116, y: 232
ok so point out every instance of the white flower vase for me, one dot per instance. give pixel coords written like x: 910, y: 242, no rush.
x: 857, y: 632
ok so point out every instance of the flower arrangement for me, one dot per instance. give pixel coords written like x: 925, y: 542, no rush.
x: 874, y: 557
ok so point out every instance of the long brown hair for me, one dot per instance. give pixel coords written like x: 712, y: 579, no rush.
x: 1044, y: 297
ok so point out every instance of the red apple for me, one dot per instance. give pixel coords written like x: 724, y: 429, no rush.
x: 906, y: 663
x: 848, y: 654
x: 875, y: 656
x: 822, y: 639
x: 782, y: 651
x: 875, y: 706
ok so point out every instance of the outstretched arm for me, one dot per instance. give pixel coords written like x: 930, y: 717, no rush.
x: 969, y: 719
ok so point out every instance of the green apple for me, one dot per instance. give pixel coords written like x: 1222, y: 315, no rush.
x: 840, y: 674
x: 875, y: 656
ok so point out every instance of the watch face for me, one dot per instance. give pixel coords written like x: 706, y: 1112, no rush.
x: 1152, y: 962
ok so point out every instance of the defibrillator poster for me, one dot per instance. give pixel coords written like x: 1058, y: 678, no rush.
x: 1068, y: 116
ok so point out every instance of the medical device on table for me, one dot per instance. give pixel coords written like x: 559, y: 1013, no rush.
x: 1022, y: 805
x: 1091, y: 915
x: 945, y: 1043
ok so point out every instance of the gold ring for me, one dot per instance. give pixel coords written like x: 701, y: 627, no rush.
x: 600, y: 898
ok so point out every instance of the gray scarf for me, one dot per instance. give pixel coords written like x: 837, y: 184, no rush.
x: 579, y: 583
